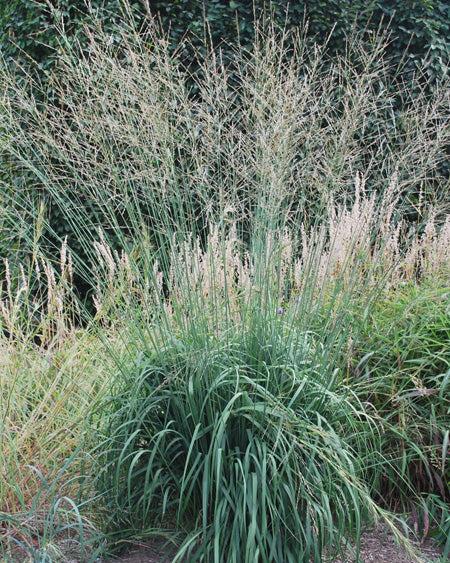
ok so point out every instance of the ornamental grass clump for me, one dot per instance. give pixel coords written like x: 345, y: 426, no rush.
x: 131, y: 143
x: 245, y: 443
x: 220, y: 235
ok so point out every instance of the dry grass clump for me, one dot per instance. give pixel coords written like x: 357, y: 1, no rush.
x: 51, y: 375
x: 45, y: 396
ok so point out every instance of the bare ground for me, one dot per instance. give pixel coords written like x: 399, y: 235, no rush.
x: 377, y: 546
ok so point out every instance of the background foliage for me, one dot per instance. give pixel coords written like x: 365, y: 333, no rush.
x: 420, y: 28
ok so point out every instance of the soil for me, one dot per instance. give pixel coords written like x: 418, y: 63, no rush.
x: 377, y: 546
x: 156, y: 552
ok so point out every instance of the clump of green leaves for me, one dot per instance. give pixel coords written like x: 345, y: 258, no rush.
x: 246, y: 442
x: 403, y: 370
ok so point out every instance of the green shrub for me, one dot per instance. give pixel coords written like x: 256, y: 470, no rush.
x: 420, y: 28
x: 404, y: 372
x: 29, y: 29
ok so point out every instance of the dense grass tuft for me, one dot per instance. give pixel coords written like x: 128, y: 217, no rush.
x: 245, y: 442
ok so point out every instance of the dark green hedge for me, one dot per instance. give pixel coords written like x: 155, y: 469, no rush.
x: 420, y: 28
x: 28, y: 27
